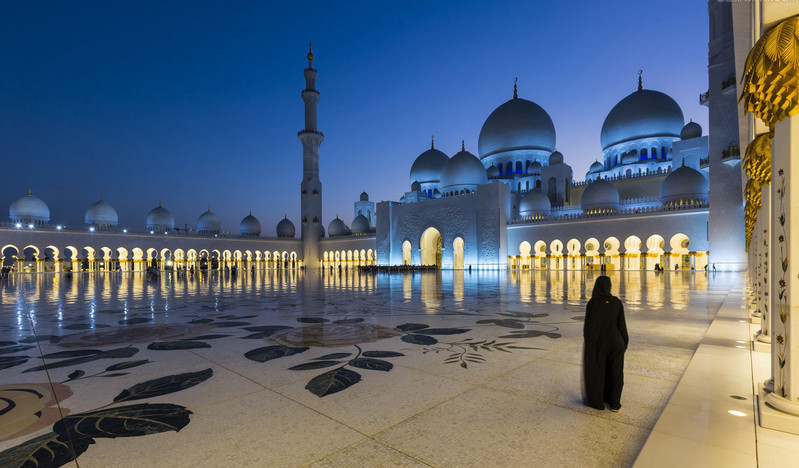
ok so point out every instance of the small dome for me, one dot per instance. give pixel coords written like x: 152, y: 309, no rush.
x: 600, y: 195
x: 360, y: 225
x: 535, y: 203
x: 250, y: 226
x: 364, y: 196
x: 416, y: 186
x: 555, y: 158
x: 285, y: 228
x: 209, y: 223
x: 337, y: 228
x: 596, y: 167
x: 630, y: 158
x: 535, y: 168
x: 159, y: 218
x: 463, y: 171
x: 101, y: 214
x: 29, y: 209
x: 492, y: 172
x: 643, y: 114
x: 427, y: 167
x: 684, y: 184
x: 518, y: 124
x: 691, y: 130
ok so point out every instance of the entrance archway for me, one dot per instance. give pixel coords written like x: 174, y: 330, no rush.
x: 431, y: 244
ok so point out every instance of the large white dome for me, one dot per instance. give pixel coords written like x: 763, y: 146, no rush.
x: 427, y: 167
x: 463, y: 171
x: 684, y: 184
x: 518, y: 124
x: 159, y: 218
x: 600, y: 195
x: 101, y: 214
x: 29, y: 209
x: 643, y: 114
x: 250, y: 226
x: 209, y: 223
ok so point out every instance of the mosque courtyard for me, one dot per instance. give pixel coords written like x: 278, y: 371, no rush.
x: 281, y: 368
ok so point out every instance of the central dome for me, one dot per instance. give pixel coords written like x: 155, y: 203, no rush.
x: 643, y: 114
x: 518, y: 124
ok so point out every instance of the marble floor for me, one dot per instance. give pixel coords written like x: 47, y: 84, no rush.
x: 291, y: 369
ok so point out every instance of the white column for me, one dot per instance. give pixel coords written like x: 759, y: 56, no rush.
x: 784, y: 292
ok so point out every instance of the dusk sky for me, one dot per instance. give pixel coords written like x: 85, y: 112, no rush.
x: 198, y: 104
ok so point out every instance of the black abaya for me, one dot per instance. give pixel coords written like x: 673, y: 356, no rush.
x: 606, y: 339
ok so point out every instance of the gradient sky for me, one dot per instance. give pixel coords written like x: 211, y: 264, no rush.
x: 198, y: 103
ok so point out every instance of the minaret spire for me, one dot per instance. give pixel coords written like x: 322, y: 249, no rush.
x: 311, y: 186
x: 640, y: 84
x: 463, y: 145
x: 515, y: 94
x: 433, y: 142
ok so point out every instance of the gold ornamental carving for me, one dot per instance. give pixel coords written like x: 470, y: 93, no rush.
x: 757, y: 159
x: 771, y: 74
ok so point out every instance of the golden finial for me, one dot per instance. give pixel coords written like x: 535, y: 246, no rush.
x: 101, y: 197
x: 159, y: 203
x: 250, y: 212
x: 515, y: 94
x: 30, y: 192
x: 433, y: 142
x: 640, y: 85
x: 310, y: 55
x: 463, y: 145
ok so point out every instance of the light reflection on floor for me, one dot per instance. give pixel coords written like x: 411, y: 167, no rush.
x: 287, y: 369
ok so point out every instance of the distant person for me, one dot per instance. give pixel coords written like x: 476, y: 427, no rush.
x: 606, y: 339
x: 714, y: 268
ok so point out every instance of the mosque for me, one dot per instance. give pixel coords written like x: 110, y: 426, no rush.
x: 644, y: 204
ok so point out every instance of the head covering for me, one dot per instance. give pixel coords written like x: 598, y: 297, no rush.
x: 601, y: 287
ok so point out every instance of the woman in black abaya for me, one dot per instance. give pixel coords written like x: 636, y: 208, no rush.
x: 605, y: 334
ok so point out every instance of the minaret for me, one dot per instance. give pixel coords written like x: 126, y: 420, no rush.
x: 311, y: 186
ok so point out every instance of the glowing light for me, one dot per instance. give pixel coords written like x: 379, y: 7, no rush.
x: 30, y: 226
x: 737, y: 413
x: 740, y: 341
x: 17, y: 225
x: 59, y: 227
x: 742, y: 347
x: 125, y: 231
x: 91, y: 229
x: 152, y: 232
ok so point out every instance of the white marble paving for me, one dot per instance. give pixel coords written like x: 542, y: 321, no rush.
x: 477, y: 369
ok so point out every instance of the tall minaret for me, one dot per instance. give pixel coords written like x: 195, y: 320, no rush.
x: 311, y: 186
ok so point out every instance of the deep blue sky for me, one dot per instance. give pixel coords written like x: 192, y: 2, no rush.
x: 198, y: 103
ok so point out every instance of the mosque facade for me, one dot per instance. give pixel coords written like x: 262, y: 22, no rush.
x: 645, y: 203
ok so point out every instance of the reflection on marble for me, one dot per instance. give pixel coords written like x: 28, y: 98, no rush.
x: 390, y: 366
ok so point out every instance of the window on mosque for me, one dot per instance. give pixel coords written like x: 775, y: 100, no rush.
x: 509, y: 168
x: 537, y: 184
x: 518, y: 167
x: 663, y: 152
x: 643, y: 154
x: 527, y: 185
x: 654, y: 153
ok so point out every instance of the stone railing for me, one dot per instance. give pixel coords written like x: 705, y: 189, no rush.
x: 610, y: 214
x: 647, y: 173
